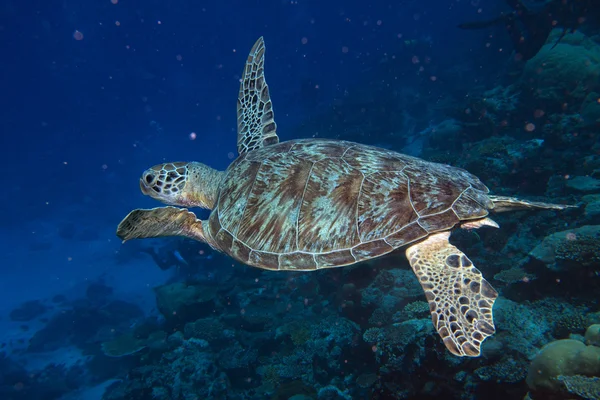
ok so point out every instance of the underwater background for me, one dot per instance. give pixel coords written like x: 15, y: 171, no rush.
x: 93, y: 93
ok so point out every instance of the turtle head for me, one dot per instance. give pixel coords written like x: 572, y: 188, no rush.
x: 186, y: 184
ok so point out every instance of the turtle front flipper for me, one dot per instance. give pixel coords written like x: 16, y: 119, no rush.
x: 256, y: 122
x: 159, y: 222
x: 460, y: 299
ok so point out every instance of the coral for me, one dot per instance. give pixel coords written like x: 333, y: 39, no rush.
x: 122, y: 346
x: 335, y: 330
x: 584, y: 250
x: 300, y: 336
x: 583, y: 184
x: 443, y: 135
x: 52, y: 382
x: 561, y: 249
x: 326, y: 341
x: 366, y: 380
x: 258, y: 310
x: 331, y: 392
x: 521, y: 328
x: 415, y: 310
x: 399, y: 342
x: 379, y: 318
x: 592, y: 205
x: 572, y: 67
x: 300, y: 397
x: 592, y: 335
x: 186, y: 373
x: 522, y: 151
x: 130, y: 343
x: 508, y: 370
x: 584, y: 386
x: 401, y: 335
x: 236, y: 356
x: 502, y: 100
x: 270, y: 375
x: 514, y: 275
x: 373, y: 335
x: 81, y: 324
x: 390, y: 287
x: 296, y: 366
x: 568, y: 324
x: 179, y: 301
x: 299, y: 332
x: 494, y: 146
x: 590, y: 110
x: 209, y: 329
x: 291, y: 389
x: 28, y: 311
x: 560, y: 127
x: 565, y: 357
x: 176, y: 339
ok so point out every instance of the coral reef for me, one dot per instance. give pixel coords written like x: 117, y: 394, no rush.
x: 187, y: 372
x: 220, y: 330
x: 28, y: 311
x: 562, y: 358
x: 568, y: 71
x: 570, y: 248
x: 583, y: 386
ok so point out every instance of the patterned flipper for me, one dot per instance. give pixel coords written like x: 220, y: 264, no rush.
x: 460, y: 299
x: 256, y: 123
x: 159, y: 222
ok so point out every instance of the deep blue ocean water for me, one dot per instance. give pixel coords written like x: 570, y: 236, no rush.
x: 93, y: 93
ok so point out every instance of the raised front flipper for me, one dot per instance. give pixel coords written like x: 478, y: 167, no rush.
x: 460, y: 299
x: 159, y: 222
x: 256, y: 123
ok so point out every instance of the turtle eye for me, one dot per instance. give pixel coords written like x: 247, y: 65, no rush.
x: 149, y: 178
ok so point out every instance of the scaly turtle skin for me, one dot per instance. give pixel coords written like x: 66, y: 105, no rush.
x: 309, y: 204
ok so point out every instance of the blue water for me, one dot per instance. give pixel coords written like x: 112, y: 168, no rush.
x: 93, y: 93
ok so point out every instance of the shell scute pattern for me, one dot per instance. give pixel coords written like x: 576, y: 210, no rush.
x: 433, y: 191
x: 472, y: 203
x: 384, y: 205
x: 335, y: 258
x: 266, y: 260
x: 214, y: 226
x: 317, y: 151
x: 263, y: 153
x: 406, y: 235
x: 309, y: 204
x: 270, y: 218
x: 441, y: 221
x: 224, y: 238
x: 235, y: 192
x: 299, y: 261
x: 240, y: 251
x: 368, y: 159
x: 327, y: 219
x: 374, y: 248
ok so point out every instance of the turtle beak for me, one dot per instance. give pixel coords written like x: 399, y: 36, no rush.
x: 148, y: 182
x: 144, y: 188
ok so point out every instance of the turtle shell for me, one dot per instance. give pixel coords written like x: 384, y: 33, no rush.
x: 310, y: 204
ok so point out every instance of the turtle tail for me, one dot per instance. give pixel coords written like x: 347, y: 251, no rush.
x: 505, y: 203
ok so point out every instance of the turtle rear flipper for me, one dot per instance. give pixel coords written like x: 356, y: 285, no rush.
x: 159, y: 222
x: 460, y: 299
x: 505, y: 203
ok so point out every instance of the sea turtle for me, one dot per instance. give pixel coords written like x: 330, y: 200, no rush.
x: 310, y: 204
